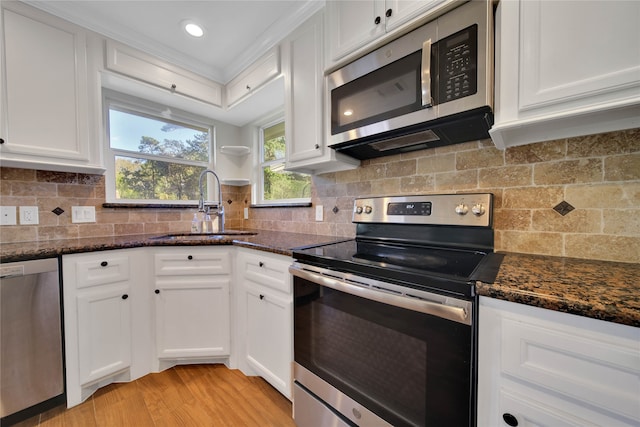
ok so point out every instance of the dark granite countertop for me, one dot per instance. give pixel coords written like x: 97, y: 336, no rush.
x: 271, y: 241
x: 598, y: 289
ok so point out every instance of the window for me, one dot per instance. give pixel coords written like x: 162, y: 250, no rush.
x: 278, y: 185
x: 154, y: 155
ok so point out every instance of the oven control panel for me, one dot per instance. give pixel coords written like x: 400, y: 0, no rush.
x: 438, y: 209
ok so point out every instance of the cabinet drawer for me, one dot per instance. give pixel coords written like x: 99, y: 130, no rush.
x: 574, y: 362
x: 197, y: 261
x: 266, y: 270
x: 101, y: 270
x: 139, y: 65
x: 255, y: 76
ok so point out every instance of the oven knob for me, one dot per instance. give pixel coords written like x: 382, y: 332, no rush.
x: 462, y: 209
x: 367, y: 209
x: 478, y: 209
x: 359, y: 210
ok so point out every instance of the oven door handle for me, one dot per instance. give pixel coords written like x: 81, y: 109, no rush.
x: 458, y: 313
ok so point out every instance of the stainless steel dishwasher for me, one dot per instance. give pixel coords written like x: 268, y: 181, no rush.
x: 31, y: 352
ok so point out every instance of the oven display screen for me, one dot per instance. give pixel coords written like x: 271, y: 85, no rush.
x: 415, y: 208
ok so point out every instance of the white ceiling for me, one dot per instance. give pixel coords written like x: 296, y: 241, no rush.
x: 237, y: 32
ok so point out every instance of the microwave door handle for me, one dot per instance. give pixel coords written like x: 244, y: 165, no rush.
x: 427, y: 101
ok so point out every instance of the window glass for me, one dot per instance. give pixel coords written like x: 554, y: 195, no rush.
x: 279, y: 185
x: 154, y: 159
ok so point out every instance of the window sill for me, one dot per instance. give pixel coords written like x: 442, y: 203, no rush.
x: 147, y: 206
x: 283, y: 205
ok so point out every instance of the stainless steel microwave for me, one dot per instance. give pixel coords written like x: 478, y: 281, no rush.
x: 431, y: 87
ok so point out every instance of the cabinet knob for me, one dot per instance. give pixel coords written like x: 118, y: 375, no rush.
x: 1, y: 140
x: 388, y: 13
x: 377, y: 20
x: 104, y: 263
x: 190, y: 257
x: 261, y: 264
x: 248, y: 87
x: 261, y: 296
x: 173, y: 86
x: 157, y: 291
x: 317, y: 146
x: 125, y: 296
x: 510, y: 419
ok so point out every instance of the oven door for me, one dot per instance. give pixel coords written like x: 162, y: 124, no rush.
x: 376, y: 358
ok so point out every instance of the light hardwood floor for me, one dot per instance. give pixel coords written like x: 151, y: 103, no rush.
x: 190, y: 395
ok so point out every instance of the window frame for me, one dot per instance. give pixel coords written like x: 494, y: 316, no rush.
x: 153, y: 110
x: 261, y: 164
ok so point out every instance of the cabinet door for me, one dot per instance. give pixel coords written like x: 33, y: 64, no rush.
x: 139, y: 65
x: 399, y: 12
x: 255, y: 76
x: 302, y: 61
x: 45, y: 121
x: 192, y: 317
x: 303, y: 92
x: 556, y: 78
x: 104, y: 331
x: 352, y: 24
x: 269, y: 336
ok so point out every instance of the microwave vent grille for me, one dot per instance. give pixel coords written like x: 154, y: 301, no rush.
x: 404, y: 141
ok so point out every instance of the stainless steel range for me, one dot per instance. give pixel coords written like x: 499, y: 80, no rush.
x: 385, y: 324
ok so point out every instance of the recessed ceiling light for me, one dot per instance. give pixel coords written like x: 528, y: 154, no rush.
x: 194, y: 30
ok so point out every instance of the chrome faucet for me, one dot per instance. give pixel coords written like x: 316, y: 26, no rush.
x: 206, y: 209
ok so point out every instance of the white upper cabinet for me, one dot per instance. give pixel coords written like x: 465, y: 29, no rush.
x: 253, y: 77
x: 354, y: 25
x: 302, y: 61
x: 565, y: 68
x: 48, y: 95
x: 139, y: 65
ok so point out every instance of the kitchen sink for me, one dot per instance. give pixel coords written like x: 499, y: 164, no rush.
x: 204, y: 236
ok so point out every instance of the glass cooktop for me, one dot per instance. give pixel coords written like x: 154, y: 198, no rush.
x: 410, y: 265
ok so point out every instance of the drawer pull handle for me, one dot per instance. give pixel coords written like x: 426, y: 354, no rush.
x: 173, y: 86
x: 190, y: 257
x: 104, y: 263
x: 510, y: 419
x: 261, y: 296
x: 377, y: 20
x: 157, y: 291
x: 248, y: 87
x: 1, y: 140
x: 388, y: 13
x: 261, y: 264
x: 125, y: 296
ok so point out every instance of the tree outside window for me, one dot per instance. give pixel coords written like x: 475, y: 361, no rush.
x: 280, y: 185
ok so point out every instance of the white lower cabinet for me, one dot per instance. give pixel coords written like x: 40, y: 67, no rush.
x: 102, y: 298
x: 539, y: 367
x: 265, y: 317
x: 191, y: 287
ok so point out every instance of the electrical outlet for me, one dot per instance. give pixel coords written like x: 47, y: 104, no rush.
x: 29, y: 215
x: 8, y: 215
x: 83, y: 214
x: 246, y: 213
x: 319, y: 212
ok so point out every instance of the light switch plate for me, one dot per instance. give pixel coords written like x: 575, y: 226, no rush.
x: 246, y: 213
x: 319, y: 212
x: 8, y: 215
x: 29, y: 215
x: 83, y: 214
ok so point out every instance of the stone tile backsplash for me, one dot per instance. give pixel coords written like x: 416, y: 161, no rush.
x: 599, y: 175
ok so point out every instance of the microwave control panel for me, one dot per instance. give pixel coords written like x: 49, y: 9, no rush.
x: 456, y: 62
